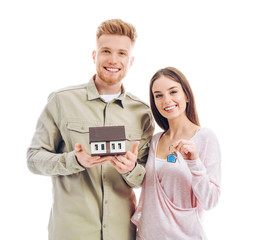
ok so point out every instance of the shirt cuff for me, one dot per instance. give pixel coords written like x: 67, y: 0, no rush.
x: 135, y: 177
x: 73, y: 163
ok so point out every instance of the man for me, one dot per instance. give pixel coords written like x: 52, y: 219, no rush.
x: 92, y: 196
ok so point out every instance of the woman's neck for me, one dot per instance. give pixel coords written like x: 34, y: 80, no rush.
x: 181, y: 128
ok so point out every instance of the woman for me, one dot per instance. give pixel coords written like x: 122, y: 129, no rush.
x: 183, y: 167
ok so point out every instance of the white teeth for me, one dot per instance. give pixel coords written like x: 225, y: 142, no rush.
x: 170, y: 108
x: 113, y: 69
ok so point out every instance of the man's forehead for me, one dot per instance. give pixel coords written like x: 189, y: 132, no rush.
x: 111, y: 41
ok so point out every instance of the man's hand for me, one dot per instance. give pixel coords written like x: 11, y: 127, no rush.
x: 126, y: 164
x: 86, y: 160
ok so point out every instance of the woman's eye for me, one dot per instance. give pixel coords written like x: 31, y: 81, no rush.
x: 158, y: 96
x: 173, y: 92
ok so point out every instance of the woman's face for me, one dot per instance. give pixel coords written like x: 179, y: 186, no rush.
x: 169, y: 98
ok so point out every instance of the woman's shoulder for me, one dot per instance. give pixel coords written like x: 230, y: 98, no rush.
x: 205, y: 132
x: 205, y: 135
x: 156, y: 136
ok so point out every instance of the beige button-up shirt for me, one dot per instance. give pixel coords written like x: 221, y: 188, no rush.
x: 94, y: 203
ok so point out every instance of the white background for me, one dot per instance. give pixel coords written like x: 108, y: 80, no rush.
x: 47, y: 45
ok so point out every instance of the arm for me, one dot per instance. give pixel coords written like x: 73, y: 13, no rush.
x: 43, y: 155
x: 137, y: 159
x: 205, y: 170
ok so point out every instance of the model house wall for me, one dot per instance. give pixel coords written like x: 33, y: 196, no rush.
x: 108, y: 140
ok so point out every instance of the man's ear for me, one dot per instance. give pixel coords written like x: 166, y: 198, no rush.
x: 94, y: 56
x: 131, y: 61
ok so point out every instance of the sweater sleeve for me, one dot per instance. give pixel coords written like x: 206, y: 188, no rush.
x: 206, y: 171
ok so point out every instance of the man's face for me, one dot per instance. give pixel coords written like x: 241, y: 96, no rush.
x: 113, y: 58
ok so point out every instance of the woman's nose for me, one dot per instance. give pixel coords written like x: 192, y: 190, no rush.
x: 167, y: 99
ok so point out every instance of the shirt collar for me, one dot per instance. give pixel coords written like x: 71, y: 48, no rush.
x: 93, y: 92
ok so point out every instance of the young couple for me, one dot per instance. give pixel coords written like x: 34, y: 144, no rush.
x: 92, y: 196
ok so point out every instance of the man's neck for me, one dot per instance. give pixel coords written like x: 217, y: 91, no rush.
x: 104, y: 88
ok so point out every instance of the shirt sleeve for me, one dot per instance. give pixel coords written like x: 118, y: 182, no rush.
x: 206, y: 173
x: 42, y: 156
x: 136, y: 176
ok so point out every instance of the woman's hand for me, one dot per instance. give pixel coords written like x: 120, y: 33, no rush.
x: 187, y: 149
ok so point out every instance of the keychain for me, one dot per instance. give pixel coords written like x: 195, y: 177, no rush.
x: 172, y: 157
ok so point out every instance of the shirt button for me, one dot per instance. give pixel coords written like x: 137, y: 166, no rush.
x: 104, y: 226
x: 105, y: 201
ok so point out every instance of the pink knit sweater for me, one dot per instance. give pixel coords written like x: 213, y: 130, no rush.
x: 172, y: 199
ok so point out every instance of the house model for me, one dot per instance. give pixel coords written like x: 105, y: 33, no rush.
x: 106, y: 141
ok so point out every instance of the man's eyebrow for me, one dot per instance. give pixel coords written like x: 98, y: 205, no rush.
x: 123, y: 50
x: 105, y: 48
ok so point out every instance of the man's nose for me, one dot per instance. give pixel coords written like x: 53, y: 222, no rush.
x: 113, y: 58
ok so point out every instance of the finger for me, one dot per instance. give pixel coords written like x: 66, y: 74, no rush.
x: 135, y: 148
x: 121, y: 159
x: 118, y: 165
x: 78, y: 147
x: 107, y: 158
x: 179, y: 146
x: 95, y: 164
x: 131, y: 157
x: 175, y: 145
x: 184, y: 148
x: 96, y: 158
x: 96, y: 161
x: 112, y: 162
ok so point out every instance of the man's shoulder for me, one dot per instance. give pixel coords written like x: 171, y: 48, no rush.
x: 67, y: 90
x: 71, y: 88
x: 134, y: 98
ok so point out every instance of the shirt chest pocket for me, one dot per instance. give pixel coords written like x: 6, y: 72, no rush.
x: 132, y: 135
x: 79, y: 133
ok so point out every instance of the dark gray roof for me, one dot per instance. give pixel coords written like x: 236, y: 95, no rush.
x: 108, y: 133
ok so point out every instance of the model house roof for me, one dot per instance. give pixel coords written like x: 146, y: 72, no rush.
x: 109, y: 133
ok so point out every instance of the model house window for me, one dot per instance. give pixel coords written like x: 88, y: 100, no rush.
x: 98, y: 147
x: 118, y: 146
